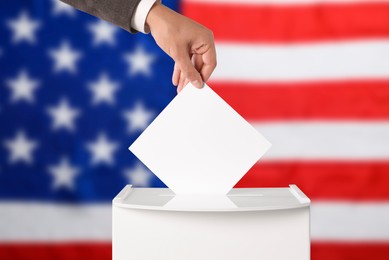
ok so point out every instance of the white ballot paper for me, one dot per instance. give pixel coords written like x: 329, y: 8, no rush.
x: 199, y: 145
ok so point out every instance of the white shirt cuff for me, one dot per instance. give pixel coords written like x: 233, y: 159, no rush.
x: 138, y: 20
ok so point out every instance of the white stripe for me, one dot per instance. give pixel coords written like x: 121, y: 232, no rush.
x: 326, y: 140
x: 51, y: 223
x: 285, y: 2
x: 302, y: 62
x: 350, y: 221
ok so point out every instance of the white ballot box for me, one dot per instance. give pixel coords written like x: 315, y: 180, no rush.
x: 247, y: 224
x: 200, y: 147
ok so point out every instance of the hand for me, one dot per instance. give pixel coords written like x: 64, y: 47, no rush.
x: 188, y: 43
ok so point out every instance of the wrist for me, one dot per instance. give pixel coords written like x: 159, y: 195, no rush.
x: 154, y: 14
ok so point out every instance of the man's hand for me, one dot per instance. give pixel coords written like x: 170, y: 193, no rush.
x: 188, y: 43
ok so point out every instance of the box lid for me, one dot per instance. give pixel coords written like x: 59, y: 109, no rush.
x: 238, y: 199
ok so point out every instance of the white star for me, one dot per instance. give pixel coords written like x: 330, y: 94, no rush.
x: 138, y: 118
x: 22, y: 87
x: 63, y: 115
x: 21, y: 148
x: 138, y: 176
x: 64, y: 174
x: 62, y: 8
x: 23, y: 28
x: 103, y: 90
x: 139, y: 62
x: 103, y: 32
x: 65, y: 58
x: 102, y: 150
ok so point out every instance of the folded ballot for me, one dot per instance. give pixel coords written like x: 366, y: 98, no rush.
x: 199, y: 145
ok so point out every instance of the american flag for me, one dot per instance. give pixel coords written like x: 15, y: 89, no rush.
x: 310, y: 75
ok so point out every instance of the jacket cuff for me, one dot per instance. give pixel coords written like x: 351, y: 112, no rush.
x: 138, y: 19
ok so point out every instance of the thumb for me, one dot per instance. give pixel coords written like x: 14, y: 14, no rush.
x: 189, y: 71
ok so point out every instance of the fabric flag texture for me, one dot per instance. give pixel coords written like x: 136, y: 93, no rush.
x: 311, y: 75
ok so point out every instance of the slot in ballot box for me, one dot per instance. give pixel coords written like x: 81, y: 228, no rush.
x: 247, y: 223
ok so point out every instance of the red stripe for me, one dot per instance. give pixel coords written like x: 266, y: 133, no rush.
x: 320, y: 251
x: 319, y: 100
x: 320, y: 180
x: 62, y: 251
x: 351, y: 251
x: 288, y: 23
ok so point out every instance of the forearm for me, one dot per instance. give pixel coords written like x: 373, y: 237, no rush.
x: 118, y: 12
x: 190, y: 44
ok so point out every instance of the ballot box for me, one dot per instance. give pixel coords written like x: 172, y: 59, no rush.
x: 247, y: 224
x: 200, y: 147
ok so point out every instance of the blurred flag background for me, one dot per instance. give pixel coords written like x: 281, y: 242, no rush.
x: 75, y: 92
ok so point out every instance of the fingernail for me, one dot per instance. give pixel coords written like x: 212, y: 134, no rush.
x: 197, y: 84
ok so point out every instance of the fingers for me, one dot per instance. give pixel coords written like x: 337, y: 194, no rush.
x: 179, y: 88
x: 186, y: 81
x: 176, y: 75
x: 181, y: 82
x: 197, y: 60
x: 188, y: 70
x: 209, y: 59
x: 178, y: 79
x: 195, y: 69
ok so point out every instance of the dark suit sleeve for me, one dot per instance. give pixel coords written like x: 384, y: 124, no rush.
x: 118, y: 12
